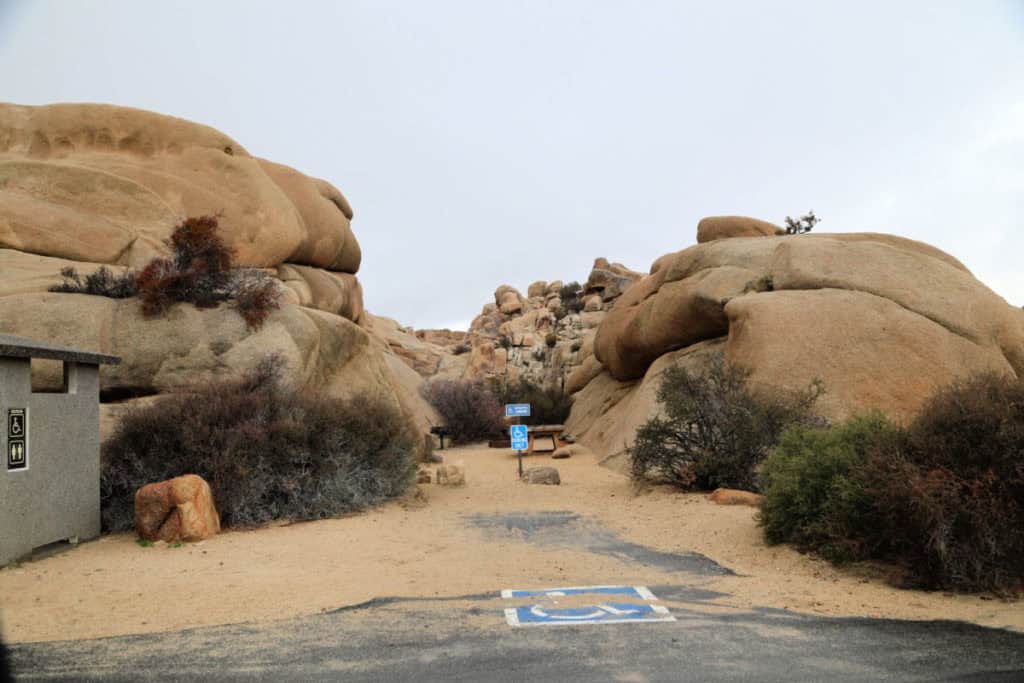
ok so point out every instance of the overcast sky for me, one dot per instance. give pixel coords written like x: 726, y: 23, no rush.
x: 483, y: 143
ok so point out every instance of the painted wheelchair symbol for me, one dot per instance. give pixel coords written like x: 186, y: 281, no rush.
x: 604, y: 612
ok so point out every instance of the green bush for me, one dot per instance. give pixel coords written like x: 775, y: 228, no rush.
x: 572, y: 297
x: 469, y: 410
x: 267, y: 451
x: 569, y: 290
x: 815, y: 496
x: 716, y: 429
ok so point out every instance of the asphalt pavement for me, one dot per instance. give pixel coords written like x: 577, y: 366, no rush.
x: 467, y: 638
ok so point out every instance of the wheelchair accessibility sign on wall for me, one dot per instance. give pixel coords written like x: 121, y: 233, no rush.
x: 585, y: 605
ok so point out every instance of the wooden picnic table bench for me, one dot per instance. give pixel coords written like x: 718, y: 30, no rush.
x: 544, y: 438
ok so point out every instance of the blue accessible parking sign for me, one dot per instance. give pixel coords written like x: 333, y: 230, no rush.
x: 602, y: 605
x: 520, y: 440
x: 517, y: 410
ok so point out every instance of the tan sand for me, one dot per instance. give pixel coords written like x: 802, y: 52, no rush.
x: 112, y: 586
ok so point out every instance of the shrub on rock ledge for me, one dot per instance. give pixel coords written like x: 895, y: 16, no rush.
x: 200, y: 272
x: 267, y: 451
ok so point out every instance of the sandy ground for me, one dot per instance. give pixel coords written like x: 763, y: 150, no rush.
x: 412, y: 548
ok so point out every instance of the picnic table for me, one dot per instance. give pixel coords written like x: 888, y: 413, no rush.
x: 544, y: 438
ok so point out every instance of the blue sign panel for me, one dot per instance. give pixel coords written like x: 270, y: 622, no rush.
x: 634, y: 592
x: 605, y: 610
x: 520, y: 441
x: 517, y: 410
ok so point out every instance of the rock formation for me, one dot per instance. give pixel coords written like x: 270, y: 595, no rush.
x: 882, y: 320
x: 539, y: 337
x: 85, y: 185
x: 179, y: 509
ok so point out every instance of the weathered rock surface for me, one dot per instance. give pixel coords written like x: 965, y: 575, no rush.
x: 508, y: 300
x: 609, y: 280
x: 565, y: 452
x: 724, y: 227
x: 88, y: 185
x: 883, y: 321
x: 179, y: 509
x: 107, y: 184
x: 542, y: 475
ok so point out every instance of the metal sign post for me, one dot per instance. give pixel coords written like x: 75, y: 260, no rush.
x: 520, y: 442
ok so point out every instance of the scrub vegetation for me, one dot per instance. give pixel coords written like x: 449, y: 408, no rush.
x: 200, y: 271
x: 715, y: 429
x: 943, y: 497
x: 469, y: 411
x: 268, y: 451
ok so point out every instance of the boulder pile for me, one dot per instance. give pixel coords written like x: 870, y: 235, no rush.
x: 538, y: 337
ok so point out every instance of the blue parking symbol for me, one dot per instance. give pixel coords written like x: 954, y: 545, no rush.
x: 637, y: 592
x: 606, y: 609
x: 520, y: 441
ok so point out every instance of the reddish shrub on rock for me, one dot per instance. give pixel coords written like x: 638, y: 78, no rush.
x: 200, y: 271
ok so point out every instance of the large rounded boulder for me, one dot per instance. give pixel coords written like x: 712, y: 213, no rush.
x: 107, y: 184
x: 883, y: 321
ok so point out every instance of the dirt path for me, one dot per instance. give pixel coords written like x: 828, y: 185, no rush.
x: 494, y: 533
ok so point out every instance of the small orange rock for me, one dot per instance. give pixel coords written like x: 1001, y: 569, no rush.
x: 179, y: 509
x: 734, y: 497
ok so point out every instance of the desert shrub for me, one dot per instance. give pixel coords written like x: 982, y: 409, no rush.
x: 255, y: 296
x: 570, y: 290
x: 801, y: 225
x: 504, y: 342
x: 468, y: 409
x: 550, y: 339
x: 572, y: 297
x: 199, y: 271
x: 103, y: 282
x: 267, y: 451
x: 548, y: 404
x: 716, y: 429
x: 951, y: 491
x: 815, y: 495
x: 461, y: 349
